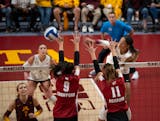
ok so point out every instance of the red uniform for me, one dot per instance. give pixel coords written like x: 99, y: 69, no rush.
x: 66, y: 87
x: 114, y: 94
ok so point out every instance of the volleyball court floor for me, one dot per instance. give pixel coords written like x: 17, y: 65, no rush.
x: 145, y: 95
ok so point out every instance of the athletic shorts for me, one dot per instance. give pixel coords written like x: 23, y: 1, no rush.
x: 33, y: 119
x: 75, y: 118
x: 117, y: 116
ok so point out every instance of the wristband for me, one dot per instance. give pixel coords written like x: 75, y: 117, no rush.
x: 96, y: 66
x: 116, y: 63
x: 76, y: 58
x: 61, y: 56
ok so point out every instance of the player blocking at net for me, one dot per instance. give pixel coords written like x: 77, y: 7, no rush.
x: 111, y: 83
x: 67, y: 83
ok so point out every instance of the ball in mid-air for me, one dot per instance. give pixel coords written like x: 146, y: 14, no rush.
x: 51, y: 33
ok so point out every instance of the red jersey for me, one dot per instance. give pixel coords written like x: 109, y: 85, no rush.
x: 114, y: 94
x: 66, y: 87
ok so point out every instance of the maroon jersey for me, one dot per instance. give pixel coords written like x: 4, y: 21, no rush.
x: 66, y: 87
x: 23, y: 109
x: 114, y: 94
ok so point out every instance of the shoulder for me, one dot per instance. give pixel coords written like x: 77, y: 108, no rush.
x: 30, y: 59
x: 120, y: 80
x: 12, y: 105
x: 35, y: 101
x: 105, y: 26
x: 74, y: 77
x: 106, y: 23
x: 119, y: 22
x: 99, y: 77
x: 49, y: 57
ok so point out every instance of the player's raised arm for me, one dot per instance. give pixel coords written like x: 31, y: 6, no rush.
x: 76, y: 41
x: 60, y: 42
x: 114, y: 53
x: 89, y: 43
x: 9, y: 111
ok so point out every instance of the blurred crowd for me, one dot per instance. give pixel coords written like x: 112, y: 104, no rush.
x: 85, y: 14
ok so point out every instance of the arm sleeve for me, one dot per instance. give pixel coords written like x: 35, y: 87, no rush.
x: 116, y: 64
x: 96, y: 66
x: 6, y: 115
x: 76, y: 58
x: 39, y: 110
x: 61, y: 56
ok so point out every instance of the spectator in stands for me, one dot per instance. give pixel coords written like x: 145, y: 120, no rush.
x: 45, y: 10
x: 24, y: 105
x: 112, y: 5
x: 124, y: 10
x: 68, y: 6
x: 154, y: 8
x: 25, y: 9
x: 138, y: 7
x: 90, y: 7
x: 5, y: 9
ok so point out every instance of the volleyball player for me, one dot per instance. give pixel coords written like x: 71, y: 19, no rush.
x: 40, y: 75
x: 116, y: 30
x: 67, y: 84
x: 24, y: 105
x: 125, y: 53
x: 111, y: 83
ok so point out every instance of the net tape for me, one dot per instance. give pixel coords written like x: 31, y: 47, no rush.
x: 148, y: 64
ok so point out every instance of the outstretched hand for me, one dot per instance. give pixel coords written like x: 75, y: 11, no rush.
x: 89, y: 44
x: 76, y: 37
x: 113, y: 44
x: 59, y: 39
x: 112, y: 47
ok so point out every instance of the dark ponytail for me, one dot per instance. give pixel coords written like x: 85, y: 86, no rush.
x: 129, y: 41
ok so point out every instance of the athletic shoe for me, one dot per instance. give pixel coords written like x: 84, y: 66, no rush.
x: 91, y: 29
x: 84, y: 28
x: 135, y: 75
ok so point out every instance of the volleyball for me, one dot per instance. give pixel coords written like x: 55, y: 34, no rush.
x: 51, y: 33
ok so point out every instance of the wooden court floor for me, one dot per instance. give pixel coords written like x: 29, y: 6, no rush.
x: 89, y: 100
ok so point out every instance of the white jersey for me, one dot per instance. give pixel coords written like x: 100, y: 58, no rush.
x: 40, y: 75
x: 121, y: 58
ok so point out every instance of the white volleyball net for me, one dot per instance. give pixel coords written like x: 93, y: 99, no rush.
x: 145, y: 96
x: 148, y: 64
